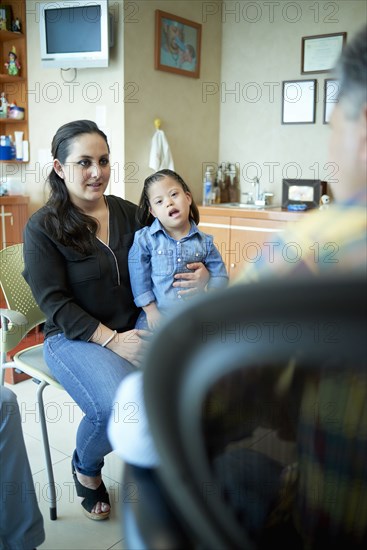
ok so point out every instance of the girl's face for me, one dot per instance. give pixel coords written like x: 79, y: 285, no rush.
x: 86, y: 170
x: 170, y: 204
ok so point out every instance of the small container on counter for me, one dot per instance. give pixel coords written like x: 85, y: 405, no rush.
x: 16, y: 113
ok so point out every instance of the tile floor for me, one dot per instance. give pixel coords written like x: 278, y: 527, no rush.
x: 72, y: 530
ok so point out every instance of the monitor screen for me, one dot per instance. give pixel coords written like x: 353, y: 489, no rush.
x: 73, y: 30
x: 75, y: 35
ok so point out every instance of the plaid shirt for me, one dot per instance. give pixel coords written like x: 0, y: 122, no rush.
x: 326, y: 242
x: 331, y: 489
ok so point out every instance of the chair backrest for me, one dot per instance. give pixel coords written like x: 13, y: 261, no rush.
x: 16, y: 290
x: 244, y: 385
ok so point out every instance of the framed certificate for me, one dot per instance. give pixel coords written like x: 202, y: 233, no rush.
x: 321, y: 52
x: 331, y: 95
x: 299, y: 101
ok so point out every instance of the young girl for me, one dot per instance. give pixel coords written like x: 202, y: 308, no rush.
x: 170, y: 245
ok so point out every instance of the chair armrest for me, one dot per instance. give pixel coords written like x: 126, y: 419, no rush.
x: 11, y: 336
x: 15, y: 317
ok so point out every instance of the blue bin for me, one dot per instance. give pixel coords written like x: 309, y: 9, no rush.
x: 6, y: 152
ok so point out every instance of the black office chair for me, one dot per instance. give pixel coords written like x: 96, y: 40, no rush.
x: 257, y: 401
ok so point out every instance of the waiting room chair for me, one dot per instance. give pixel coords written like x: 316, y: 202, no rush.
x: 256, y: 398
x: 23, y: 315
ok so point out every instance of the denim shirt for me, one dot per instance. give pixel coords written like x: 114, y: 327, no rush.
x: 155, y: 258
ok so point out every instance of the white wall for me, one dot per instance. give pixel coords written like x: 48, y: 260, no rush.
x: 96, y: 94
x: 261, y: 47
x: 191, y: 126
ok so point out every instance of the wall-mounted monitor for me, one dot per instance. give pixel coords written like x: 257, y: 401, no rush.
x: 75, y: 34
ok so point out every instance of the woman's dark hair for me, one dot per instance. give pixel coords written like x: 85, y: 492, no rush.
x: 143, y: 214
x: 64, y: 220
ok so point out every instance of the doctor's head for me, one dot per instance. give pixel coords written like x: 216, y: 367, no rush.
x: 348, y: 122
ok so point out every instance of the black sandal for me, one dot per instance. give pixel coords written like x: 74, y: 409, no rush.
x: 91, y: 497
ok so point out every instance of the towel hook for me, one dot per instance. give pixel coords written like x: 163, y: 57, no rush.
x: 157, y: 123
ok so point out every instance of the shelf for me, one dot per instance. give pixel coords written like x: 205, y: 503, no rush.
x: 9, y: 78
x: 12, y: 121
x: 14, y: 86
x: 6, y: 36
x: 13, y: 161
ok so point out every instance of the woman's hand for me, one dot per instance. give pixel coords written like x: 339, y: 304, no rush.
x: 131, y: 345
x: 192, y: 282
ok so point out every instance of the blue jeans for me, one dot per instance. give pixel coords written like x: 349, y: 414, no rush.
x: 141, y: 322
x: 91, y: 375
x: 21, y: 522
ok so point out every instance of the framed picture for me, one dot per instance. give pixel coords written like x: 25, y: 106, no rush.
x: 298, y: 191
x: 177, y: 44
x: 320, y: 52
x: 299, y: 102
x: 331, y: 94
x: 5, y: 18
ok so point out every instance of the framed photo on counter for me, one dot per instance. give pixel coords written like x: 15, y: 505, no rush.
x: 299, y: 191
x: 177, y: 45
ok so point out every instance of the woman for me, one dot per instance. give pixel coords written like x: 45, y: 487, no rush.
x: 75, y: 251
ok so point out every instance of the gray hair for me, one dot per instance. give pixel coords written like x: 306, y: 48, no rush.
x: 351, y: 71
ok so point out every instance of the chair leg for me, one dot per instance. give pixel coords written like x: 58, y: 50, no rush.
x: 46, y: 448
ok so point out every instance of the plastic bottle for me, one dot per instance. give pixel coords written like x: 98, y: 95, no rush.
x: 224, y: 197
x: 12, y: 147
x: 234, y: 191
x: 5, y: 148
x: 18, y: 137
x: 3, y: 106
x: 216, y: 192
x: 207, y: 188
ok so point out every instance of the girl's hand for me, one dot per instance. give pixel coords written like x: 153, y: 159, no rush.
x: 153, y: 320
x: 131, y: 345
x: 192, y: 282
x: 153, y: 315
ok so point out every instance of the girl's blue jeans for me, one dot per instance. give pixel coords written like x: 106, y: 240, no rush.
x: 91, y: 375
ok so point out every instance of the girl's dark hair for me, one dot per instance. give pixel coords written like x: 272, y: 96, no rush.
x: 64, y: 220
x: 143, y: 215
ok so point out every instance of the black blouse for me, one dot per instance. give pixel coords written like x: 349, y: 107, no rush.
x: 76, y: 292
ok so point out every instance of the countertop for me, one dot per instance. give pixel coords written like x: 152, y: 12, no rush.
x: 274, y: 213
x: 14, y: 199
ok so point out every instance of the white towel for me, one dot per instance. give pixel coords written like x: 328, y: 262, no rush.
x: 160, y: 154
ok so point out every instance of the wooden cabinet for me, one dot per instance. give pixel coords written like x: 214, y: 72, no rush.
x: 250, y: 240
x: 14, y: 87
x: 219, y: 227
x: 244, y: 236
x: 13, y: 217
